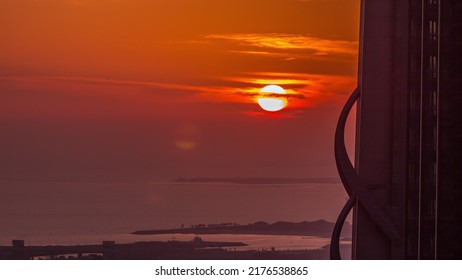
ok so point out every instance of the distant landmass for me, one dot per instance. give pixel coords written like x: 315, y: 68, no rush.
x: 111, y: 250
x: 258, y: 180
x: 197, y: 249
x: 320, y: 228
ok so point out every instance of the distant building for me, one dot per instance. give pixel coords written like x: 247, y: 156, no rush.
x: 406, y: 186
x: 17, y: 243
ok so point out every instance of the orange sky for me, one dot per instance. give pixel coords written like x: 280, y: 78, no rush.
x: 166, y: 88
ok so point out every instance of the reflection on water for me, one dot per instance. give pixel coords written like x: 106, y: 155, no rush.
x: 257, y: 242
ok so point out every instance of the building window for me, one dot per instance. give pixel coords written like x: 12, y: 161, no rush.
x: 433, y: 66
x: 433, y: 30
x: 434, y: 102
x: 431, y: 209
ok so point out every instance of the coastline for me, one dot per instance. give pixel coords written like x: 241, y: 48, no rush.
x: 320, y: 228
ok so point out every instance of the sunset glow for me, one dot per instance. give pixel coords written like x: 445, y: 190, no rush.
x: 114, y: 100
x: 114, y: 86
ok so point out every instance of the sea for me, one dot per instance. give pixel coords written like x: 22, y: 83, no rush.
x: 71, y: 213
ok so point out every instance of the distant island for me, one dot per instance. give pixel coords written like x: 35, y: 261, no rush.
x: 258, y: 180
x: 319, y: 228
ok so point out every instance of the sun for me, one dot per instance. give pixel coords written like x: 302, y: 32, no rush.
x: 268, y: 99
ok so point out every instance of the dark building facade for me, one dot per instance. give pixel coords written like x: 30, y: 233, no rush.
x: 406, y: 184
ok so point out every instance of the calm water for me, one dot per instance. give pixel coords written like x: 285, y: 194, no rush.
x: 45, y: 213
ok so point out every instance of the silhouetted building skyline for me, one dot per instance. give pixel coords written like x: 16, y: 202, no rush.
x: 405, y: 187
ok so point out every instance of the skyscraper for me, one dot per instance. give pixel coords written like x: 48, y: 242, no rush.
x: 406, y: 184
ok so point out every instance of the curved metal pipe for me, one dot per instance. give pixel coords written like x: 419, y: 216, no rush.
x: 344, y: 166
x: 335, y: 240
x: 352, y: 184
x: 346, y: 172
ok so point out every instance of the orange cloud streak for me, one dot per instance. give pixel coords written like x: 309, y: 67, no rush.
x: 284, y: 41
x: 302, y: 90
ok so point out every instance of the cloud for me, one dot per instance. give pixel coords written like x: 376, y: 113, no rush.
x: 307, y: 89
x: 303, y: 90
x: 82, y: 2
x: 322, y: 0
x: 284, y: 44
x: 104, y: 81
